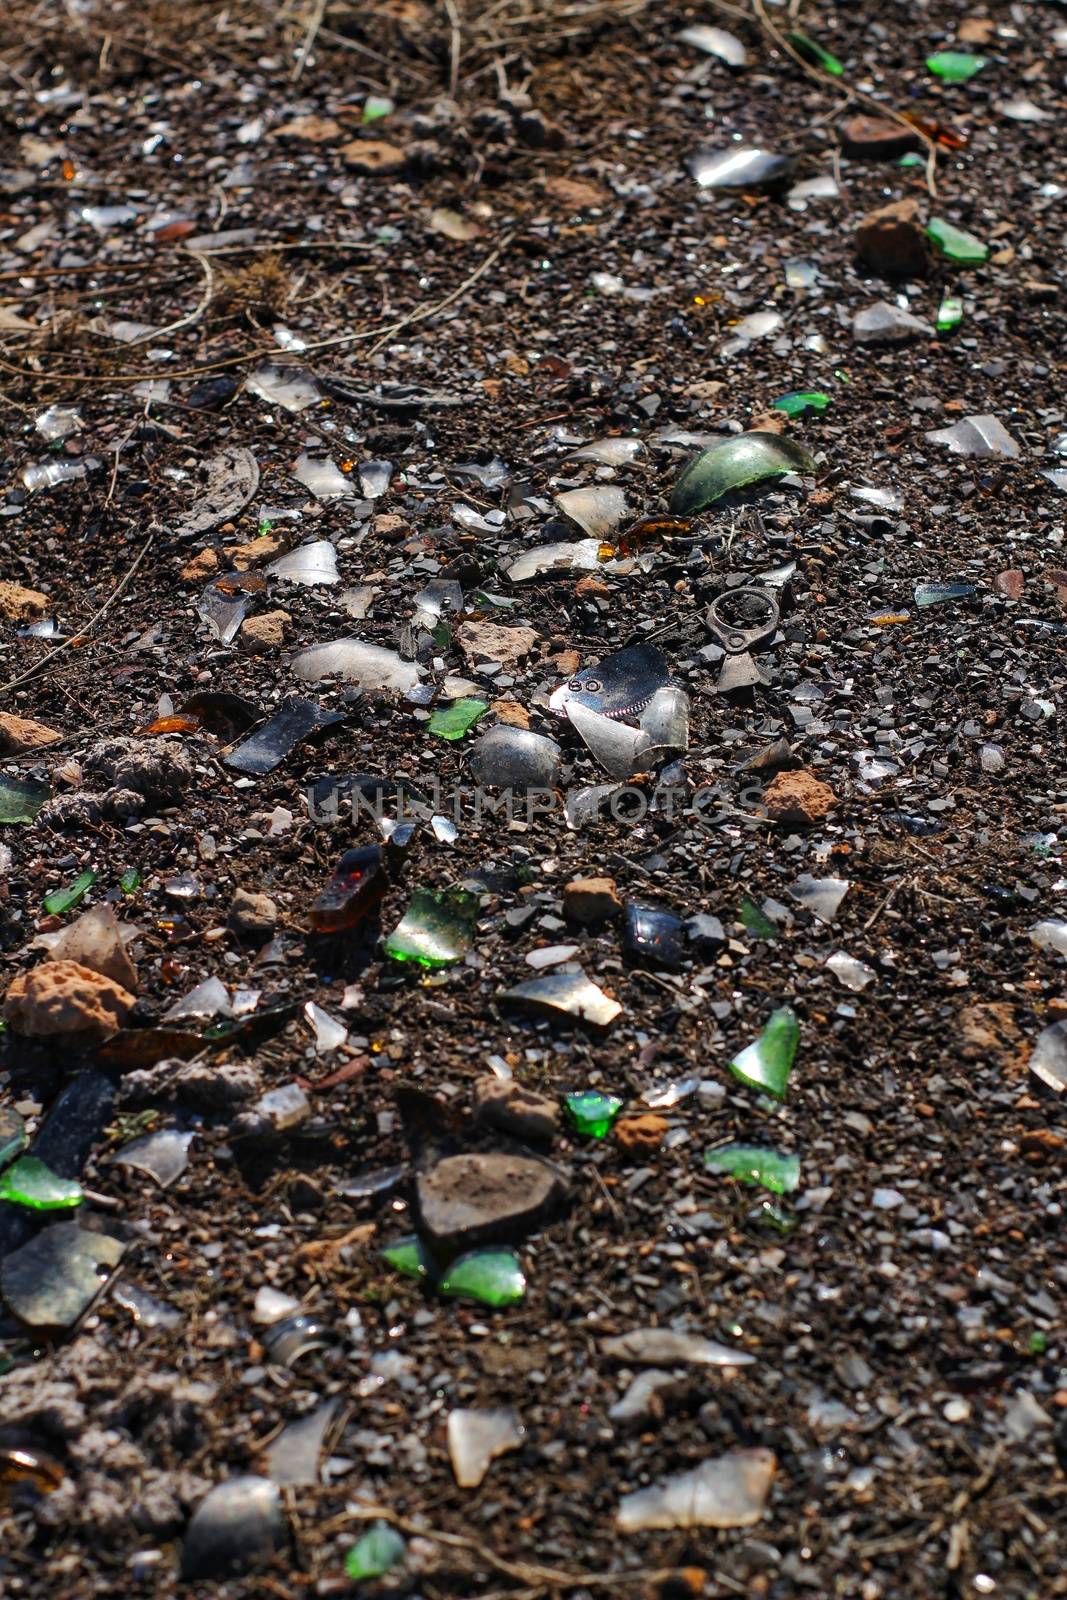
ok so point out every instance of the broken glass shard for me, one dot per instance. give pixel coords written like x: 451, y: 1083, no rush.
x: 585, y: 556
x: 436, y: 930
x: 949, y: 313
x: 237, y: 1526
x: 954, y: 66
x: 569, y: 994
x: 821, y: 896
x: 513, y: 758
x: 407, y: 1256
x: 739, y: 167
x: 289, y: 387
x: 616, y: 451
x: 163, y: 1155
x: 1050, y: 935
x: 1048, y: 1060
x: 649, y: 934
x: 753, y: 1164
x: 269, y: 745
x: 977, y: 436
x: 20, y: 801
x: 619, y: 748
x: 767, y: 1063
x: 756, y: 921
x: 46, y: 474
x: 492, y: 1277
x: 321, y: 477
x: 666, y: 719
x: 715, y: 42
x: 882, y: 499
x: 144, y: 1308
x: 293, y: 1457
x: 800, y: 274
x: 453, y: 721
x: 286, y: 1341
x: 208, y: 999
x: 883, y: 323
x: 61, y: 900
x: 736, y: 464
x: 476, y: 1438
x: 620, y: 685
x: 821, y: 188
x: 1023, y: 111
x: 309, y: 564
x: 800, y: 401
x: 13, y: 1137
x: 352, y: 892
x: 329, y: 1033
x: 850, y: 972
x: 29, y: 1182
x: 729, y: 1492
x: 51, y: 1281
x: 597, y: 510
x: 58, y: 421
x: 955, y: 244
x: 591, y: 1113
x: 370, y: 665
x: 671, y: 1093
x: 379, y: 1550
x: 223, y: 613
x: 757, y: 326
x: 438, y: 596
x: 375, y: 478
x: 672, y: 1347
x: 936, y: 594
x: 811, y: 51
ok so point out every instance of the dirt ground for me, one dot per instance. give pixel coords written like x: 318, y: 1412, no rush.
x: 470, y: 235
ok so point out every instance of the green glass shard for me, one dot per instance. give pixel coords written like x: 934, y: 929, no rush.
x: 493, y: 1277
x: 407, y: 1256
x: 592, y: 1113
x: 453, y: 721
x: 950, y: 313
x: 813, y: 52
x: 12, y: 1135
x: 955, y: 66
x: 751, y: 1163
x: 736, y: 464
x: 379, y: 1550
x: 30, y: 1183
x: 1037, y: 1343
x: 375, y: 107
x: 799, y: 401
x: 130, y: 881
x: 772, y: 1216
x: 910, y: 159
x: 20, y: 800
x: 61, y: 900
x: 766, y: 1063
x: 956, y: 244
x: 437, y: 928
x: 757, y: 921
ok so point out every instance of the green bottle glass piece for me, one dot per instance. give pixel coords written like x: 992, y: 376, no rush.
x: 375, y: 107
x: 814, y: 53
x: 955, y: 66
x: 591, y: 1113
x: 12, y: 1135
x: 767, y: 1062
x: 751, y: 1163
x: 799, y: 401
x: 20, y: 800
x: 736, y: 464
x: 130, y: 881
x: 32, y: 1184
x: 436, y: 930
x: 757, y: 922
x: 910, y: 159
x: 61, y: 900
x: 956, y: 244
x: 453, y: 721
x: 379, y: 1550
x: 407, y: 1256
x: 950, y: 313
x: 492, y: 1277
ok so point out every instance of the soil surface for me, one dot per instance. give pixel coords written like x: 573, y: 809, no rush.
x: 469, y: 241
